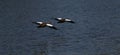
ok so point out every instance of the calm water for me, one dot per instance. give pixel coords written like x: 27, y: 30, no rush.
x: 96, y: 31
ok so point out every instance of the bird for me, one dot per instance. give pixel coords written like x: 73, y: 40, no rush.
x: 62, y: 20
x: 44, y: 24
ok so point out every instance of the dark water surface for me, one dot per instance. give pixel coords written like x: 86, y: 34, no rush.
x: 96, y: 31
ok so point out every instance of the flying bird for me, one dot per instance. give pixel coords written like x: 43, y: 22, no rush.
x: 44, y: 24
x: 62, y: 20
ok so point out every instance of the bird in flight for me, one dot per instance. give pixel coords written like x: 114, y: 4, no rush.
x: 44, y: 24
x: 62, y: 20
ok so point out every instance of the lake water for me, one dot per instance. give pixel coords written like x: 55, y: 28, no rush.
x: 96, y: 31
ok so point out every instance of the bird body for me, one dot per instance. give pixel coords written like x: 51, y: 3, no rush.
x: 62, y: 20
x: 43, y: 24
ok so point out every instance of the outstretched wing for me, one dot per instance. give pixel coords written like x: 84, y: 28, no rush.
x: 58, y: 19
x: 35, y: 23
x: 38, y: 23
x: 51, y: 26
x: 71, y: 21
x: 68, y: 20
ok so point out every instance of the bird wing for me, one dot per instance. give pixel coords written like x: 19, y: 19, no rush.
x: 38, y: 23
x: 59, y: 18
x: 67, y: 20
x: 51, y: 26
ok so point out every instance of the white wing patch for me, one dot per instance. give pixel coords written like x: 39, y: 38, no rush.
x: 59, y: 18
x: 67, y: 20
x: 40, y: 22
x: 50, y: 25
